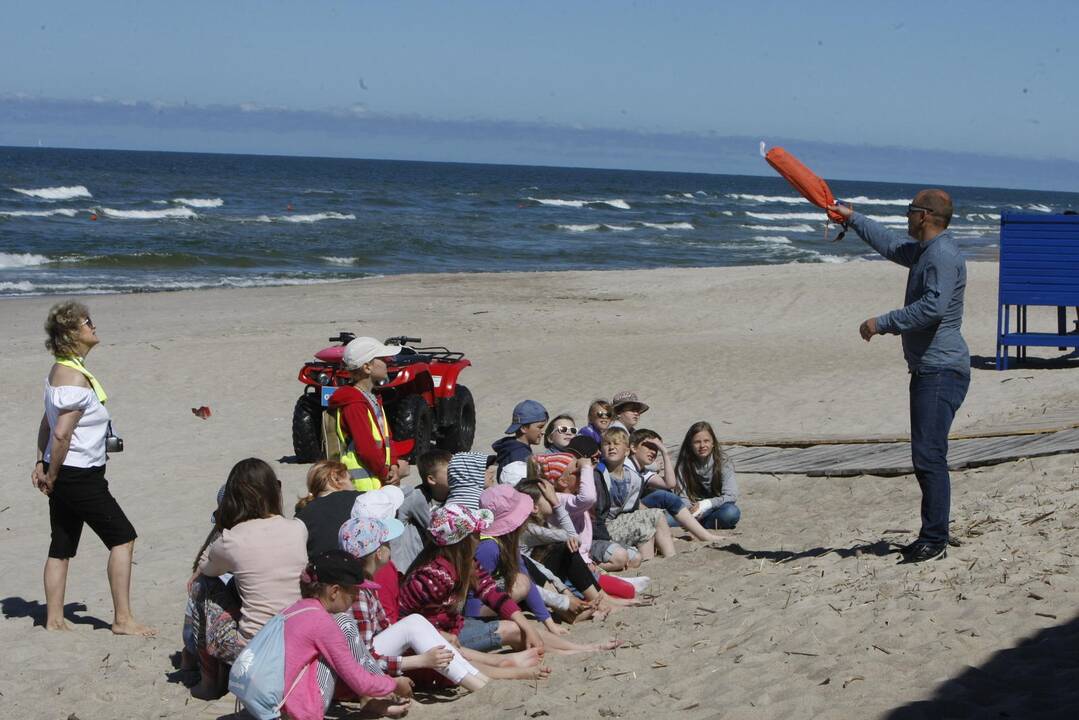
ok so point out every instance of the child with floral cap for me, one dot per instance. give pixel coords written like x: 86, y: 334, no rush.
x: 367, y: 540
x: 445, y: 572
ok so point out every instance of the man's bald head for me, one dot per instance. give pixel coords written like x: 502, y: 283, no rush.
x: 939, y: 202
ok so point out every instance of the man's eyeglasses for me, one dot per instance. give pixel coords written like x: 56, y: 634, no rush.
x: 912, y: 208
x: 568, y: 429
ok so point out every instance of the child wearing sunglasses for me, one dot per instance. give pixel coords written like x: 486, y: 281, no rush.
x: 600, y: 415
x: 559, y: 432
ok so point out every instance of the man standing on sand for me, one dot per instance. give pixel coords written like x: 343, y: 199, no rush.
x: 935, y: 351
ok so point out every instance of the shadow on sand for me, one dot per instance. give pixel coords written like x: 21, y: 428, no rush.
x: 880, y: 548
x: 17, y: 607
x: 1039, y: 678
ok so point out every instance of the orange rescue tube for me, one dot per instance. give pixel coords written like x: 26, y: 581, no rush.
x: 811, y: 186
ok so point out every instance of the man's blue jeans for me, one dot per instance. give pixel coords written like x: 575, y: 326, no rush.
x: 935, y: 397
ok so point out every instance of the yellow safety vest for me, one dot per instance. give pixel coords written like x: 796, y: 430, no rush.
x: 362, y: 478
x: 76, y: 363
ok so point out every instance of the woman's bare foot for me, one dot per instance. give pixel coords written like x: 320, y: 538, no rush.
x: 59, y: 625
x: 130, y: 627
x: 521, y: 659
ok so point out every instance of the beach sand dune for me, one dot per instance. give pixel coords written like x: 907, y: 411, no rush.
x: 803, y: 614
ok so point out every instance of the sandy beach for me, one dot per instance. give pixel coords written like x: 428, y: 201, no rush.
x: 803, y: 615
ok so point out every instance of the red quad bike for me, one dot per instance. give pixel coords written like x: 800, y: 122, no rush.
x: 423, y: 401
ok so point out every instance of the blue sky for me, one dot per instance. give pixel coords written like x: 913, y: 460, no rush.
x: 642, y: 85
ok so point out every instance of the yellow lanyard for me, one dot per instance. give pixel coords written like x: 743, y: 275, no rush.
x: 76, y: 363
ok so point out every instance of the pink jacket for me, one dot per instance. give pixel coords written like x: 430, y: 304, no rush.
x: 579, y: 508
x: 313, y: 635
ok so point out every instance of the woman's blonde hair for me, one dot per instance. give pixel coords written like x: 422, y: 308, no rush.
x: 62, y: 327
x: 322, y: 476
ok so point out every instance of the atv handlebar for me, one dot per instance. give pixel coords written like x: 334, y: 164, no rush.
x: 403, y: 340
x: 344, y: 338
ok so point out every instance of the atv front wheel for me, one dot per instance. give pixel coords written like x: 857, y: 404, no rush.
x: 413, y: 419
x: 307, y: 429
x: 460, y: 429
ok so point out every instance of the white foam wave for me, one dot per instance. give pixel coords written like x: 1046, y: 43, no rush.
x: 14, y: 260
x: 728, y: 213
x: 782, y: 228
x: 863, y: 200
x: 335, y: 260
x: 23, y: 286
x: 593, y: 227
x: 66, y: 212
x: 56, y: 193
x: 313, y: 217
x: 558, y: 202
x: 973, y: 217
x: 889, y: 219
x: 788, y: 199
x: 199, y: 202
x: 777, y: 239
x: 787, y: 216
x: 178, y: 213
x: 669, y: 226
x: 1038, y: 207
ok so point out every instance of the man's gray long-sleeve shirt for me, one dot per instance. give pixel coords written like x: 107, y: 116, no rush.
x: 932, y: 314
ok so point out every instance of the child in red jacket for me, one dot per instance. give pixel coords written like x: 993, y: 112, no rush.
x: 362, y: 426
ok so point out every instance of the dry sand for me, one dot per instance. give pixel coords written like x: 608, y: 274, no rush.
x: 803, y: 617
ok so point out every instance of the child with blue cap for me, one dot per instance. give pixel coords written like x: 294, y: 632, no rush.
x: 526, y: 429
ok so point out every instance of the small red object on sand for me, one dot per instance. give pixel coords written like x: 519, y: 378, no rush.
x: 203, y: 412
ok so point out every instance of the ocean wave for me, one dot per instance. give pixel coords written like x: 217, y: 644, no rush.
x: 777, y: 239
x: 66, y: 212
x: 23, y: 286
x: 56, y: 193
x: 669, y: 226
x: 14, y: 260
x: 889, y: 219
x: 26, y: 287
x: 787, y: 216
x: 680, y: 196
x: 974, y: 217
x: 594, y: 227
x: 335, y: 260
x: 788, y: 199
x: 178, y: 213
x: 199, y: 202
x: 1038, y: 207
x: 782, y: 228
x: 313, y: 217
x: 558, y: 202
x: 863, y: 200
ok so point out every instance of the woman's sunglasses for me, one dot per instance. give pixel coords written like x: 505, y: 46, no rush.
x: 603, y: 414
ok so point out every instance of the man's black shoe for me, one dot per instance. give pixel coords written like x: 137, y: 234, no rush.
x: 922, y: 551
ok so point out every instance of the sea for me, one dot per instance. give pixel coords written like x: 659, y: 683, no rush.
x: 96, y: 221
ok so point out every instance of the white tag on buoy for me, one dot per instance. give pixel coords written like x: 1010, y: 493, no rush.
x: 762, y: 148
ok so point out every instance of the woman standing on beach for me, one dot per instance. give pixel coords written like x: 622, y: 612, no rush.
x: 70, y: 469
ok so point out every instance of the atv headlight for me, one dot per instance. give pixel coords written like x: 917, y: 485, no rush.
x: 324, y: 378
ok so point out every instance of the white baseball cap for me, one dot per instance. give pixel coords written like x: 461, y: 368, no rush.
x: 364, y: 350
x: 379, y: 504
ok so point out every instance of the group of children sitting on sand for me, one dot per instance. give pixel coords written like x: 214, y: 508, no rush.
x: 431, y: 584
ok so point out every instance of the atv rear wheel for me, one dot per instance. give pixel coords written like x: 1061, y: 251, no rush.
x: 307, y: 429
x: 413, y: 420
x: 460, y: 429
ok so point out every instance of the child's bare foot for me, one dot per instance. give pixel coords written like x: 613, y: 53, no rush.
x: 522, y: 659
x: 539, y: 672
x: 58, y: 625
x: 385, y: 707
x: 130, y: 627
x: 609, y: 644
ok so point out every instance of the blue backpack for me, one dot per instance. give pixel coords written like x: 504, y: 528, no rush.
x: 257, y: 677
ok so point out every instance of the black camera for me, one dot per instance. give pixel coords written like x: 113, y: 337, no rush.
x: 113, y: 443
